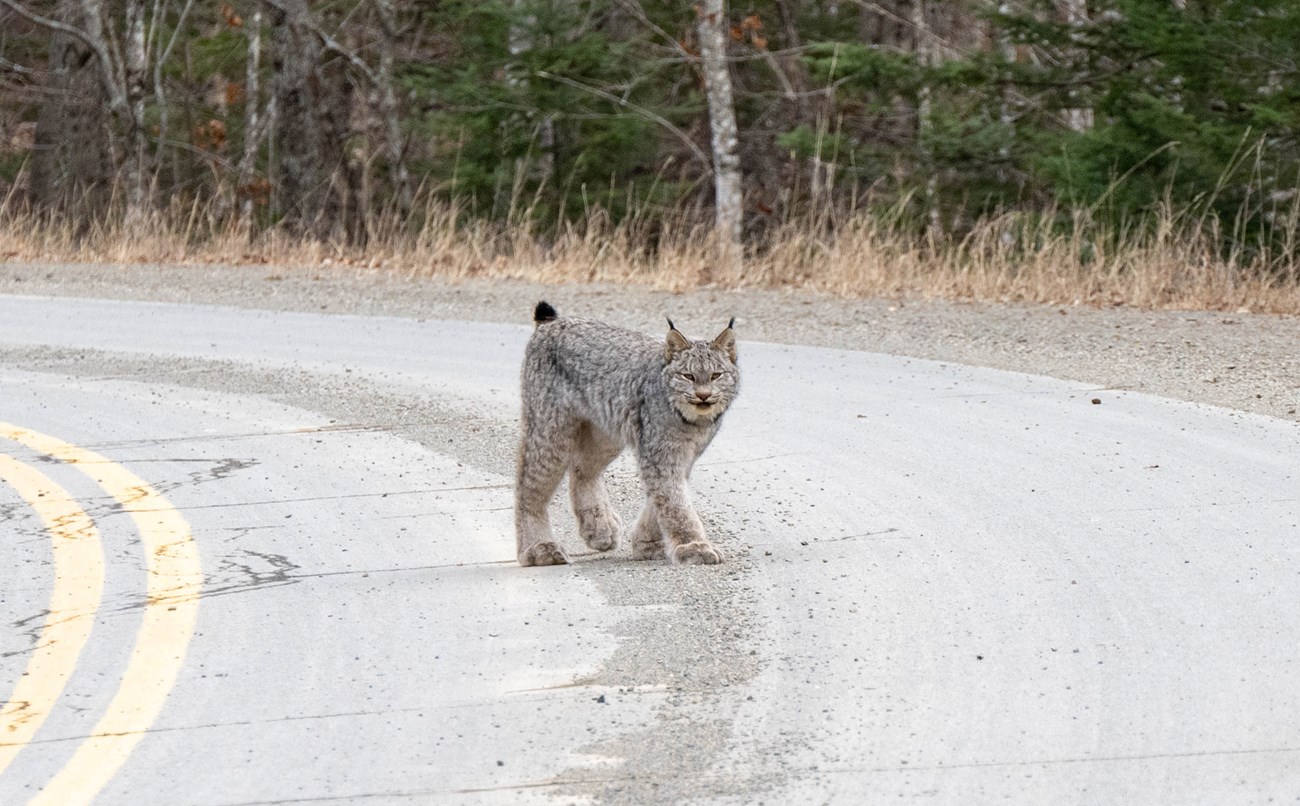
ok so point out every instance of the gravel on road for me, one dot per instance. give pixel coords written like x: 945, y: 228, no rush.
x: 1239, y: 360
x: 1243, y: 361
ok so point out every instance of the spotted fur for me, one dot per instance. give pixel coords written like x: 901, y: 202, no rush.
x: 591, y: 390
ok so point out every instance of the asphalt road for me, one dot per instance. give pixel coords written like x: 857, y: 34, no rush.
x: 267, y: 557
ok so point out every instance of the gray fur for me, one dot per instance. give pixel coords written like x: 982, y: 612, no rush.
x: 589, y: 391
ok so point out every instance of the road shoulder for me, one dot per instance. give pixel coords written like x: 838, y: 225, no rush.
x: 1239, y: 360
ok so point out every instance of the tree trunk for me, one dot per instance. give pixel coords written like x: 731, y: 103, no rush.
x: 925, y: 54
x: 72, y: 164
x: 1075, y: 12
x: 252, y: 120
x: 134, y: 74
x: 296, y: 59
x: 388, y: 111
x: 1006, y: 99
x: 343, y: 208
x: 886, y: 23
x: 728, y: 201
x: 81, y: 46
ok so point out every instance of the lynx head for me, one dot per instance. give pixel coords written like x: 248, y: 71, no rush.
x: 702, y: 376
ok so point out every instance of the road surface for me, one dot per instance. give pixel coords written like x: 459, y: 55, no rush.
x: 267, y: 557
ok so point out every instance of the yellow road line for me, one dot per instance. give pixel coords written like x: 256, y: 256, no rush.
x: 175, y: 581
x: 74, y: 600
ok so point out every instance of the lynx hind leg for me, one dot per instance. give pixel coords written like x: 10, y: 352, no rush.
x: 543, y: 456
x: 598, y: 523
x: 647, y: 537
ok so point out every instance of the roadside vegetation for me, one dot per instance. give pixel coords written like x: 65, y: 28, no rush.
x: 1109, y: 152
x: 1178, y: 264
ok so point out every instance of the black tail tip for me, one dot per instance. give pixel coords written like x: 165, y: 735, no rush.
x: 544, y: 313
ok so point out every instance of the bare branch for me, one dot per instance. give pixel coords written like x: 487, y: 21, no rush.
x: 328, y: 41
x: 117, y: 73
x: 924, y: 33
x: 640, y: 110
x: 635, y: 9
x: 159, y: 7
x: 14, y: 67
x: 180, y: 26
x: 160, y: 60
x: 61, y: 27
x: 116, y: 95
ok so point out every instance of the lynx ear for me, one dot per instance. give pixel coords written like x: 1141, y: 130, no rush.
x: 726, y: 341
x: 675, y: 343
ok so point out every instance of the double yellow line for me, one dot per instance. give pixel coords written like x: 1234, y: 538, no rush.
x: 175, y: 581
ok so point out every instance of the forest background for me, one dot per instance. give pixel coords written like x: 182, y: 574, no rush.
x: 1140, y: 152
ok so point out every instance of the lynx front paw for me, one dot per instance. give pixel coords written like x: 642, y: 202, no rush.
x: 699, y: 552
x: 600, y: 528
x: 544, y: 554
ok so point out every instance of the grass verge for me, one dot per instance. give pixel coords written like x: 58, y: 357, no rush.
x: 1177, y: 260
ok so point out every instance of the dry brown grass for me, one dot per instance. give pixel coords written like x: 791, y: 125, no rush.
x: 1177, y: 263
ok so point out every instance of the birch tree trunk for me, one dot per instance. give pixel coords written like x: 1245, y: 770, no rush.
x: 134, y: 73
x: 1005, y: 105
x: 925, y: 54
x: 1075, y: 12
x: 388, y: 111
x: 252, y: 119
x: 728, y: 200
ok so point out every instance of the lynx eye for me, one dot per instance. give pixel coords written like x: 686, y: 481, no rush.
x: 715, y: 376
x: 688, y: 376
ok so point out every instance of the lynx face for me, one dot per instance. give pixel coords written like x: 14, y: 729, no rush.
x: 701, y: 376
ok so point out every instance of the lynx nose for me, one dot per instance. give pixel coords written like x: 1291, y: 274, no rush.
x: 704, y: 395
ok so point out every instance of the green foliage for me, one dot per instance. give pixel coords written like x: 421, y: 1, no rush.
x: 219, y: 54
x: 1195, y: 107
x: 1198, y: 108
x: 879, y: 74
x: 805, y: 142
x: 552, y: 108
x: 962, y: 139
x: 528, y: 114
x: 10, y: 165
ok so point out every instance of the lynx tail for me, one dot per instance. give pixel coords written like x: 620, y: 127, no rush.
x: 544, y: 313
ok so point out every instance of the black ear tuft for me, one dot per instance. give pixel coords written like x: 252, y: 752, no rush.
x: 671, y: 326
x: 732, y: 324
x: 544, y: 313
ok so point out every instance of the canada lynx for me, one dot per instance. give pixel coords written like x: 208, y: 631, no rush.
x: 589, y: 391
